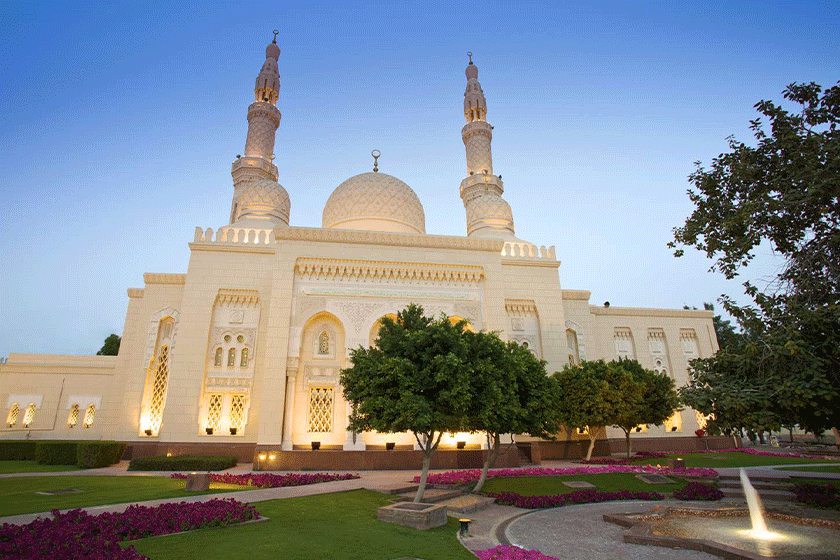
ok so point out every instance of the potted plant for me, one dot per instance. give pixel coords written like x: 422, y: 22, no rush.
x: 316, y: 445
x: 209, y: 431
x: 389, y: 445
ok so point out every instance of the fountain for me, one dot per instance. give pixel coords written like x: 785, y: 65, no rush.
x: 735, y: 532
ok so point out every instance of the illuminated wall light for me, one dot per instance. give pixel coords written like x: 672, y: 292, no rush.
x: 262, y: 456
x: 272, y: 457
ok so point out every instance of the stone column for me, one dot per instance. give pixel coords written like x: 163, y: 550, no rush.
x: 288, y: 413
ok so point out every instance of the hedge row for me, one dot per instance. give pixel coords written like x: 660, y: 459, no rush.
x: 85, y: 454
x: 183, y: 463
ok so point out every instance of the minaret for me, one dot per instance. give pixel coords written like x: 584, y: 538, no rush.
x: 487, y: 213
x: 257, y: 195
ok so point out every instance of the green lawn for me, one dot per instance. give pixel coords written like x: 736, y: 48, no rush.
x: 816, y: 481
x: 729, y: 460
x: 339, y: 526
x: 7, y: 467
x: 549, y: 485
x: 18, y: 494
x: 828, y: 469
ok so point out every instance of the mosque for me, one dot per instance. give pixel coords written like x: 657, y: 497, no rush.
x: 241, y: 354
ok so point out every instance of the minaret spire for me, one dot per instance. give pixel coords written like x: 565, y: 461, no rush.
x: 487, y: 212
x: 256, y: 165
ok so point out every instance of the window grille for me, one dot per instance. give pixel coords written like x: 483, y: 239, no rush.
x: 159, y: 382
x: 320, y: 409
x: 324, y: 343
x: 29, y: 415
x: 218, y: 358
x: 12, y: 419
x: 73, y: 417
x: 243, y: 362
x: 640, y: 429
x: 702, y: 419
x: 237, y: 412
x: 572, y: 344
x: 674, y: 423
x: 231, y: 357
x: 214, y: 412
x: 89, y: 414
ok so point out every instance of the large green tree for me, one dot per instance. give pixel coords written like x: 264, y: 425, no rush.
x: 782, y: 192
x: 415, y: 379
x: 657, y: 403
x: 593, y: 395
x: 111, y: 347
x: 509, y: 394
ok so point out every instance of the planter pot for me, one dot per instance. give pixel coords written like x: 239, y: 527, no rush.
x: 389, y: 445
x: 233, y: 431
x: 409, y: 514
x: 316, y: 445
x: 209, y: 431
x: 461, y: 444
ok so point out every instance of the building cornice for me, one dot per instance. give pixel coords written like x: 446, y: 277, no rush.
x: 387, y: 238
x: 576, y: 295
x: 648, y: 312
x: 136, y: 292
x: 238, y: 297
x: 403, y: 272
x: 164, y: 278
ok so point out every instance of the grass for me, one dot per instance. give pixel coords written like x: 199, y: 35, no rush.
x: 729, y: 460
x: 18, y: 494
x: 340, y: 526
x: 550, y: 485
x: 9, y: 467
x: 827, y: 469
x: 814, y: 481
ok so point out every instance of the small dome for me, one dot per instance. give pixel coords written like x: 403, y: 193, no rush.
x: 375, y: 202
x: 471, y: 71
x: 264, y: 201
x: 489, y: 215
x: 272, y: 51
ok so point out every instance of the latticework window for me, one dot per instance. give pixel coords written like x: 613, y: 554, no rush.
x: 243, y: 361
x: 674, y: 423
x: 237, y: 412
x: 641, y: 429
x: 702, y: 419
x: 214, y: 412
x: 324, y: 343
x: 89, y: 414
x: 218, y: 358
x: 159, y: 382
x: 572, y: 344
x: 320, y: 409
x: 73, y: 417
x: 29, y: 415
x: 231, y: 357
x: 12, y: 418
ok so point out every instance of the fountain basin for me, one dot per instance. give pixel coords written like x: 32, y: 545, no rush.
x: 727, y: 532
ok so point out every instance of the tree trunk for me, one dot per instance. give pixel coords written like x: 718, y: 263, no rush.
x: 592, y: 437
x: 492, y: 455
x: 836, y: 433
x: 427, y: 460
x: 627, y: 439
x: 791, y: 434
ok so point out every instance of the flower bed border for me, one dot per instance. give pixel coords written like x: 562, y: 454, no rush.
x: 471, y: 475
x: 571, y: 498
x: 270, y: 480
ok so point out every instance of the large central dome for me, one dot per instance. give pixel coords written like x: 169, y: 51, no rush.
x: 374, y: 202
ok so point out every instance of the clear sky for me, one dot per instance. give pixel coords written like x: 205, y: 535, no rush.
x: 119, y: 122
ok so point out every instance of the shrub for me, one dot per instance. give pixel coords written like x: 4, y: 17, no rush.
x: 510, y: 552
x: 270, y: 480
x: 17, y: 450
x: 183, y: 463
x: 698, y: 491
x: 96, y: 454
x: 56, y: 452
x: 817, y: 495
x: 579, y: 497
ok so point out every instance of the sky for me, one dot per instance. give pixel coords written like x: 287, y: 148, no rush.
x: 119, y: 123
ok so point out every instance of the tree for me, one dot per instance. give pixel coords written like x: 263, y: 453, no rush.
x: 658, y: 399
x: 111, y: 346
x: 782, y: 192
x: 415, y: 379
x: 509, y: 394
x: 594, y: 394
x: 724, y: 329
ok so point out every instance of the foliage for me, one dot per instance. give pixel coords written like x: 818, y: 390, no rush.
x: 579, y: 497
x: 604, y: 482
x: 595, y: 394
x: 77, y: 534
x: 509, y: 393
x: 111, y: 347
x: 725, y: 331
x: 416, y: 379
x: 696, y: 491
x: 183, y: 463
x: 271, y: 480
x: 56, y: 452
x: 817, y: 495
x: 96, y: 454
x: 511, y: 552
x: 782, y: 192
x: 471, y: 475
x: 17, y: 450
x: 657, y: 403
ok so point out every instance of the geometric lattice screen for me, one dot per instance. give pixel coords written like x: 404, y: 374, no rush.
x: 29, y: 416
x: 237, y: 412
x: 73, y: 418
x: 674, y: 423
x: 159, y: 381
x: 214, y: 413
x: 320, y: 409
x: 12, y: 419
x: 89, y: 414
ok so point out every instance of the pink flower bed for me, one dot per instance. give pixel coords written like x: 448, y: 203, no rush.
x: 579, y: 497
x: 747, y: 450
x: 76, y: 534
x: 509, y: 552
x: 471, y: 475
x: 269, y: 480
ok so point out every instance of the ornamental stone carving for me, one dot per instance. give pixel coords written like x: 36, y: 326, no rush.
x: 374, y: 201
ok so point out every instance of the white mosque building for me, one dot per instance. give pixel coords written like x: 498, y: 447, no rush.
x: 241, y: 354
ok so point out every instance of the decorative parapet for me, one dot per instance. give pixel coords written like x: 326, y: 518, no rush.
x: 520, y: 307
x: 136, y: 292
x: 384, y: 271
x: 387, y: 238
x: 234, y: 236
x: 524, y: 250
x: 237, y: 297
x: 164, y: 278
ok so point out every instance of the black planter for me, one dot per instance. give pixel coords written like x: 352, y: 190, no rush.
x: 316, y: 445
x: 209, y: 431
x: 389, y: 445
x: 148, y: 432
x: 461, y: 444
x: 233, y: 431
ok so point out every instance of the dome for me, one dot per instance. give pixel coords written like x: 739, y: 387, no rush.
x: 489, y: 215
x: 375, y: 202
x: 264, y: 201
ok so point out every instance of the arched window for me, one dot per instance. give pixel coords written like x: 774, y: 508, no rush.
x: 572, y: 343
x: 73, y: 417
x: 243, y: 361
x: 12, y: 418
x: 218, y: 359
x: 159, y: 382
x: 231, y: 357
x: 89, y: 413
x: 29, y: 415
x: 324, y: 343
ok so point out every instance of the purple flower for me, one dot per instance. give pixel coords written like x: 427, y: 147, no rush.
x: 270, y: 480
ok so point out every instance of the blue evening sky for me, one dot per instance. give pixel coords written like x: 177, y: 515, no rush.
x: 119, y: 122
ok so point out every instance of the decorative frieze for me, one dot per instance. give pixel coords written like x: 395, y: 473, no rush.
x: 521, y: 307
x: 388, y: 272
x: 164, y: 278
x: 241, y: 298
